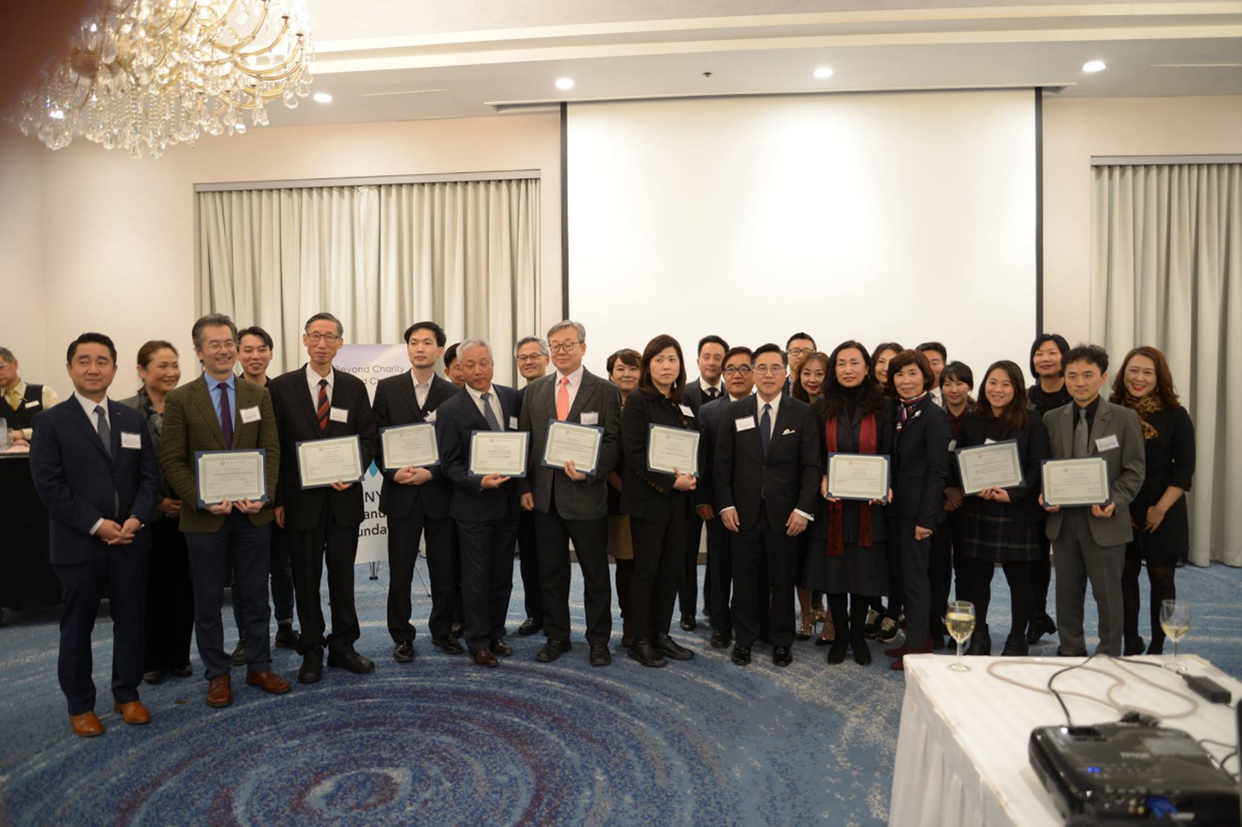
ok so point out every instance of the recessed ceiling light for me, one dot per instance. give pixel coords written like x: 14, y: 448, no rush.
x: 322, y: 97
x: 565, y: 83
x: 1093, y: 66
x: 823, y: 72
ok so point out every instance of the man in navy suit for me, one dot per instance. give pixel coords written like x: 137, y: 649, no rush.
x: 94, y: 468
x: 484, y: 508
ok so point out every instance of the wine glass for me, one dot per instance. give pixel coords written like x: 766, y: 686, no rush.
x: 1175, y: 621
x: 960, y: 620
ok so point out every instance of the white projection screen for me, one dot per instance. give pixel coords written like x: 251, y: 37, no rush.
x: 876, y: 217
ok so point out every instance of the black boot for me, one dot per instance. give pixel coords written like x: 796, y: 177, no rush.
x: 1041, y: 624
x: 1015, y: 645
x: 858, y: 625
x: 980, y: 641
x: 840, y: 626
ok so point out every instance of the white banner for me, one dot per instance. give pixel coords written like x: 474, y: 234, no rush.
x: 371, y: 363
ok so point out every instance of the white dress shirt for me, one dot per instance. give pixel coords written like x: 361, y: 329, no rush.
x: 776, y: 406
x: 421, y: 391
x: 493, y: 401
x: 704, y: 385
x: 575, y: 382
x: 313, y: 379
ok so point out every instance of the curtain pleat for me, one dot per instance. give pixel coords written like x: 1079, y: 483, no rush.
x: 1166, y: 270
x: 464, y: 254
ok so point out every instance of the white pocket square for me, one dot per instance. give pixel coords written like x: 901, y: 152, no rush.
x: 788, y: 431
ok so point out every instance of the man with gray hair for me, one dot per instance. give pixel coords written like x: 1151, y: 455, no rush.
x: 569, y: 503
x: 531, y: 353
x: 20, y: 400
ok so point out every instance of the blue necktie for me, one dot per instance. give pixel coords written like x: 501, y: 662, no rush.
x: 765, y: 428
x: 487, y: 412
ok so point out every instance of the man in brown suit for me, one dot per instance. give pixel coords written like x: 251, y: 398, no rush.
x: 218, y: 412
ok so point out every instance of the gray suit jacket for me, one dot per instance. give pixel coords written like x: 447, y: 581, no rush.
x: 588, y: 499
x: 1127, y: 464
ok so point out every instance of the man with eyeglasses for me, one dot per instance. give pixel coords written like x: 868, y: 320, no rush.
x: 567, y: 503
x: 20, y: 400
x: 532, y: 357
x: 796, y: 349
x: 316, y: 401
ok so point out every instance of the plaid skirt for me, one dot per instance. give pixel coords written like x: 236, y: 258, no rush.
x: 987, y: 533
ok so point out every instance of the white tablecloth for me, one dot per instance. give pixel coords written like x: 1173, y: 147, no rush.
x: 962, y: 747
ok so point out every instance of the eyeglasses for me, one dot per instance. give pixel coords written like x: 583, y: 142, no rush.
x: 763, y: 370
x: 732, y: 369
x: 563, y: 347
x: 214, y: 347
x: 530, y: 357
x: 798, y: 351
x: 316, y: 338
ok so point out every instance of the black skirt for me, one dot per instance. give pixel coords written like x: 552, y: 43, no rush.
x: 988, y: 533
x: 859, y: 570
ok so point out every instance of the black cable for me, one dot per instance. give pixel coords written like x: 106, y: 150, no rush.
x: 1068, y: 720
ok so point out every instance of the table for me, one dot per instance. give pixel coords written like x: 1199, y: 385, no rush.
x: 962, y: 747
x: 26, y: 575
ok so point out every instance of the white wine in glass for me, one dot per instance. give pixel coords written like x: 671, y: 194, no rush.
x: 960, y: 620
x: 1175, y: 621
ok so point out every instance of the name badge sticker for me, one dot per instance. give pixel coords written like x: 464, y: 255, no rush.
x: 952, y: 444
x: 1107, y: 443
x: 686, y: 410
x: 745, y: 423
x: 250, y: 414
x: 590, y: 417
x: 513, y: 423
x: 431, y: 417
x: 989, y: 441
x: 128, y: 440
x: 338, y: 415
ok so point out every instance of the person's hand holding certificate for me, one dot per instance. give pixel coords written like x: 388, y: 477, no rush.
x: 571, y: 442
x: 231, y: 476
x: 862, y: 477
x: 673, y: 450
x: 500, y: 453
x: 409, y: 446
x: 994, y: 465
x: 327, y: 462
x: 1075, y: 482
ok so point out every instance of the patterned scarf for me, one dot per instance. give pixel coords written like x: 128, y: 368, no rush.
x: 1151, y: 403
x: 907, y: 409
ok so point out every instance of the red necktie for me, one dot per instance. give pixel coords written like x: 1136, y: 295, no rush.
x: 323, y: 407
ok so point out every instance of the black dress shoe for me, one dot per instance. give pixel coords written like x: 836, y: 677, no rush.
x: 642, y: 651
x: 980, y: 642
x: 448, y: 645
x: 670, y: 648
x: 600, y: 656
x: 1015, y: 646
x: 312, y: 666
x: 1156, y: 647
x: 287, y: 637
x: 351, y: 661
x: 182, y: 671
x: 153, y: 676
x: 782, y: 656
x: 1041, y: 624
x: 1134, y: 645
x: 403, y: 652
x: 529, y: 627
x: 457, y: 630
x: 688, y: 623
x: 239, y: 653
x: 836, y: 654
x: 552, y: 650
x: 483, y: 657
x: 740, y: 655
x: 721, y: 638
x: 862, y: 652
x: 499, y: 647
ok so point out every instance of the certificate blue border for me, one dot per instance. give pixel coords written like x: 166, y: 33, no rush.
x: 888, y: 469
x: 384, y: 465
x: 297, y: 451
x: 651, y: 426
x: 525, y: 459
x: 1107, y: 470
x: 957, y: 455
x: 198, y: 455
x: 599, y: 449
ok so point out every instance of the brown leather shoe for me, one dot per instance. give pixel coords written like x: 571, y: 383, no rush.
x: 268, y: 681
x: 219, y: 692
x: 485, y: 658
x: 499, y: 647
x: 87, y: 724
x: 133, y: 712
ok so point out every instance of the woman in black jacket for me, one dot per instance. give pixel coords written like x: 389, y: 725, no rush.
x: 624, y: 368
x: 1002, y: 525
x: 920, y: 468
x: 1161, y: 522
x: 658, y: 504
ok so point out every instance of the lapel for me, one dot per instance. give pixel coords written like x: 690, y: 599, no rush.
x: 441, y: 390
x: 115, y: 415
x: 505, y: 408
x: 586, y: 393
x: 751, y: 435
x: 408, y: 394
x: 308, y: 405
x: 1067, y: 430
x: 84, y: 422
x: 1102, y: 413
x: 778, y: 427
x: 202, y: 398
x: 478, y: 422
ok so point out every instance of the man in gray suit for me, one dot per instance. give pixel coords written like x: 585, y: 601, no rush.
x: 1090, y: 543
x: 567, y: 503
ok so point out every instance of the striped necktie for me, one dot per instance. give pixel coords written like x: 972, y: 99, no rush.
x: 323, y: 407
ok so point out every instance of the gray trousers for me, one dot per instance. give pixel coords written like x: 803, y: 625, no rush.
x: 915, y: 555
x: 1078, y: 559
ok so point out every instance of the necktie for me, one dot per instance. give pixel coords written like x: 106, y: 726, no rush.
x: 1081, y: 435
x: 226, y: 415
x: 14, y: 398
x: 765, y: 428
x: 105, y: 436
x: 712, y: 393
x: 487, y: 412
x: 322, y: 407
x: 562, y: 399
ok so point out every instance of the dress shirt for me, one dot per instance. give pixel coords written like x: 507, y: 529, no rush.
x: 937, y: 397
x: 88, y: 407
x: 46, y: 400
x: 575, y: 382
x: 776, y: 406
x: 718, y: 387
x: 421, y: 391
x: 312, y: 381
x: 493, y: 400
x: 213, y: 388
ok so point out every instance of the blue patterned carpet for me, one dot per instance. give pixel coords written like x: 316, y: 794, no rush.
x: 441, y: 741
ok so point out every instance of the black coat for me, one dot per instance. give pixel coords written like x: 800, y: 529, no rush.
x: 1170, y: 461
x: 1032, y: 439
x: 396, y: 403
x: 848, y: 437
x: 456, y: 418
x: 710, y: 417
x: 920, y: 463
x: 644, y: 493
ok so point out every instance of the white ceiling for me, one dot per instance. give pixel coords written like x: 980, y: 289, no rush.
x: 399, y: 60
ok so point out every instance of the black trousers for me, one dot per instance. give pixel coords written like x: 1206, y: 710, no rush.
x: 281, y: 581
x: 528, y: 557
x: 916, y: 584
x: 459, y: 603
x: 1041, y: 575
x: 688, y: 593
x: 719, y: 574
x: 659, y: 558
x: 590, y: 538
x: 764, y: 543
x: 338, y: 545
x: 169, y: 624
x: 896, y: 574
x: 247, y: 545
x: 978, y: 574
x: 122, y: 575
x: 486, y: 577
x: 403, y: 537
x: 940, y: 575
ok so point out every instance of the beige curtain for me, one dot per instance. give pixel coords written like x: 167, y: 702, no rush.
x: 464, y: 254
x: 1166, y: 270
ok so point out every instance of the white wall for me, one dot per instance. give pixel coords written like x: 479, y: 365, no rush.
x: 22, y: 302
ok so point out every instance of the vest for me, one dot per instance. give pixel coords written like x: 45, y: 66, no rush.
x: 20, y: 419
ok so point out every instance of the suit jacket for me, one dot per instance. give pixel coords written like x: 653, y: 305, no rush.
x: 588, y: 499
x: 650, y: 494
x: 786, y: 479
x: 693, y: 394
x: 710, y: 417
x: 1032, y: 438
x: 455, y: 420
x: 79, y: 483
x: 396, y: 403
x: 191, y: 425
x: 297, y: 422
x: 920, y: 463
x: 1127, y: 465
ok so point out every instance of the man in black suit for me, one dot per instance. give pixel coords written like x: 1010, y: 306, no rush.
x: 739, y: 382
x: 569, y: 504
x: 316, y: 401
x: 708, y: 387
x: 532, y: 358
x: 95, y: 470
x: 797, y: 347
x: 767, y: 478
x: 416, y: 500
x: 484, y: 508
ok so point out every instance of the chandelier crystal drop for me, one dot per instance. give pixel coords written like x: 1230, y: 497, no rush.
x: 142, y: 75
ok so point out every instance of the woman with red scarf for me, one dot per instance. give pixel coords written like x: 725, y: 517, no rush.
x: 847, y: 554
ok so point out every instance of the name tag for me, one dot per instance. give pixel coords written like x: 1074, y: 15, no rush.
x: 686, y: 410
x: 338, y: 415
x: 34, y: 403
x: 431, y: 417
x: 251, y: 414
x: 745, y: 423
x: 952, y: 444
x: 513, y: 423
x: 129, y: 440
x: 989, y: 441
x: 1107, y: 443
x: 590, y: 417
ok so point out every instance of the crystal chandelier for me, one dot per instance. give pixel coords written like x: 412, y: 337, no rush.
x: 145, y: 74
